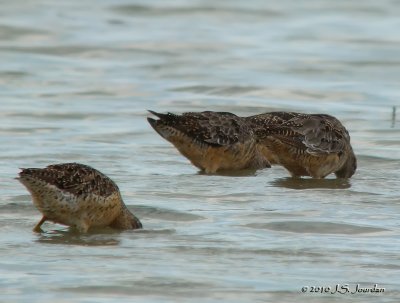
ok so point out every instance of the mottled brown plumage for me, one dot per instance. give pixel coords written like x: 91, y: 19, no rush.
x: 77, y: 195
x: 212, y: 141
x: 313, y: 145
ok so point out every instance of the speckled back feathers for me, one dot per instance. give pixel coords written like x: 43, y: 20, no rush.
x: 213, y: 128
x: 315, y: 133
x: 74, y: 178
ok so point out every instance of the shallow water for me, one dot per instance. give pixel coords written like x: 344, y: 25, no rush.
x: 76, y: 79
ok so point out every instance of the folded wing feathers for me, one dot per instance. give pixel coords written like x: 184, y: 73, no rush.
x: 317, y: 133
x: 321, y: 134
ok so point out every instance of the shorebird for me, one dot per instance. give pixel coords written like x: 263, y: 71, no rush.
x: 77, y: 195
x: 212, y: 141
x: 313, y: 145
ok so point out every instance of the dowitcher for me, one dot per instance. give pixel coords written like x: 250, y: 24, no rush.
x: 77, y: 195
x: 313, y: 145
x: 212, y: 141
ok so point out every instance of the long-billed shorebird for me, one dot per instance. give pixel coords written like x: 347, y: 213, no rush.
x: 313, y: 145
x: 77, y: 195
x: 212, y: 141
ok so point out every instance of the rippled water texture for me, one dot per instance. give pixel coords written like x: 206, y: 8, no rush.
x: 76, y: 79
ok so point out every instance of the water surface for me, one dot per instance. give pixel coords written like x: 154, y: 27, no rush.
x: 76, y: 79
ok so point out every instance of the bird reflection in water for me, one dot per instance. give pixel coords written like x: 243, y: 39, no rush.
x: 70, y: 236
x: 311, y: 183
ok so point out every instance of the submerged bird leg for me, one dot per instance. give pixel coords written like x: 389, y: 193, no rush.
x: 37, y: 228
x: 82, y: 226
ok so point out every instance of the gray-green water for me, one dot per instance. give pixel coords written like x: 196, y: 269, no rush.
x: 76, y: 78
